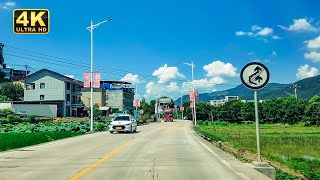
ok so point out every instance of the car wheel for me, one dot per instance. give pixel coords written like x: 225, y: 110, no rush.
x: 135, y: 130
x: 111, y: 132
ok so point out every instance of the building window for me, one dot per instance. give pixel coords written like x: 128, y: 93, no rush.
x: 68, y: 86
x: 42, y: 85
x: 73, y: 100
x: 68, y: 97
x: 30, y: 86
x: 41, y: 97
x: 73, y: 88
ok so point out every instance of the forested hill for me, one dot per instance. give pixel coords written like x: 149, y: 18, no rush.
x: 308, y: 88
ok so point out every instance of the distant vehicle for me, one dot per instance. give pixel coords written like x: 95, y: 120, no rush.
x: 167, y: 116
x: 123, y: 123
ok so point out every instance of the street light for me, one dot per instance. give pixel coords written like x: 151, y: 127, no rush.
x: 90, y: 28
x: 193, y: 101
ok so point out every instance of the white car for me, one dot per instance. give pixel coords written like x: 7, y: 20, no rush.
x: 123, y: 123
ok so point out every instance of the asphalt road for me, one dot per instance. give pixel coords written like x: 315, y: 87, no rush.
x: 167, y: 151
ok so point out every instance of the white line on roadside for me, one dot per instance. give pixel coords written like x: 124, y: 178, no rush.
x: 219, y: 158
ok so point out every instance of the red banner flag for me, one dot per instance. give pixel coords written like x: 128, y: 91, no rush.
x: 86, y: 80
x: 191, y: 95
x: 96, y: 80
x: 181, y: 108
x: 136, y: 103
x: 196, y: 94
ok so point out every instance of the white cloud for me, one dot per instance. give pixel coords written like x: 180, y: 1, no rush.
x: 259, y: 32
x: 265, y: 32
x: 306, y: 71
x: 153, y: 89
x: 255, y: 28
x: 313, y: 56
x: 203, y: 85
x: 301, y: 25
x: 166, y: 73
x: 251, y: 53
x: 8, y: 5
x: 313, y: 43
x: 274, y: 53
x: 240, y: 33
x: 275, y: 37
x: 132, y: 78
x: 218, y: 68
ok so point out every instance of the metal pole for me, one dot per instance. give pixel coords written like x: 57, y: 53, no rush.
x: 295, y: 92
x: 257, y: 125
x: 91, y: 73
x: 194, y: 98
x: 181, y: 109
x: 136, y: 97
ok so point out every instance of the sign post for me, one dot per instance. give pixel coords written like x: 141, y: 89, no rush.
x: 255, y: 76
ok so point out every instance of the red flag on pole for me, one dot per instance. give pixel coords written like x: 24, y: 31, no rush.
x: 181, y: 108
x: 196, y: 94
x: 86, y: 80
x: 191, y: 95
x: 191, y: 103
x: 96, y: 79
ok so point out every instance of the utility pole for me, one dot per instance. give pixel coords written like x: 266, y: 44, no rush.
x: 181, y: 109
x: 194, y: 99
x: 90, y: 28
x: 26, y: 70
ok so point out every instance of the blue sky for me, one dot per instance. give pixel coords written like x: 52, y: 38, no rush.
x: 149, y: 39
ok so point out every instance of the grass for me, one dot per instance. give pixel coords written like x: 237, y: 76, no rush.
x: 16, y: 140
x: 296, y: 147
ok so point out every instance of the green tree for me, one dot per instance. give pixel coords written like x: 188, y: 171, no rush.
x: 11, y: 90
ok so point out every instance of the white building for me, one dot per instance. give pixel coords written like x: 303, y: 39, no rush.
x: 223, y: 101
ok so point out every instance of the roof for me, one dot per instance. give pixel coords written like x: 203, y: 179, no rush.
x: 52, y: 72
x: 114, y: 82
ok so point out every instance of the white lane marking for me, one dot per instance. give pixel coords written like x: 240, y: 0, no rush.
x: 220, y: 158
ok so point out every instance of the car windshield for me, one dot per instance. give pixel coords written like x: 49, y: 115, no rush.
x: 168, y: 113
x: 122, y: 118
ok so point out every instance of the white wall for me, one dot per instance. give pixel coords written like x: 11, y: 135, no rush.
x: 47, y: 110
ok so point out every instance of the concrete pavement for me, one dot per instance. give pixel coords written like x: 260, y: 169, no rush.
x: 164, y: 151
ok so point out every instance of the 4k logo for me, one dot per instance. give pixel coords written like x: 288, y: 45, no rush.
x: 31, y: 21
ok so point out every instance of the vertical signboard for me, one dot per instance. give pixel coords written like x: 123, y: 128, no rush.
x: 86, y: 80
x: 96, y: 79
x: 196, y: 95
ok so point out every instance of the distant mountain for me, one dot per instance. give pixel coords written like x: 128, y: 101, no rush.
x: 308, y: 88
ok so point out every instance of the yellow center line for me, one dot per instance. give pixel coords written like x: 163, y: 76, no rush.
x: 104, y: 158
x: 95, y: 164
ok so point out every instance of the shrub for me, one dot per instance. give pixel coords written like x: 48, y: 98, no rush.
x: 12, y: 118
x: 101, y: 126
x: 31, y: 118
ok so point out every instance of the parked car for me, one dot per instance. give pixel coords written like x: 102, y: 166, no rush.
x: 123, y: 123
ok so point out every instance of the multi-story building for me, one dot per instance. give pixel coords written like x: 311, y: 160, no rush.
x: 223, y: 101
x: 119, y: 96
x: 49, y: 87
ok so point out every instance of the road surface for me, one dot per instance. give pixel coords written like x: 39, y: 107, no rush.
x: 158, y: 151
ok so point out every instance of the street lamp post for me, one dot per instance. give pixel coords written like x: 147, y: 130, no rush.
x: 194, y: 99
x: 90, y: 28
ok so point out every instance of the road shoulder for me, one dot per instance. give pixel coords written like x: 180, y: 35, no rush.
x: 242, y: 169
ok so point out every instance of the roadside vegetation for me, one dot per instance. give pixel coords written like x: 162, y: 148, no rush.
x: 289, y: 129
x: 19, y: 131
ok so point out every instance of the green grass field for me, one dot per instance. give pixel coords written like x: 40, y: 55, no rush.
x: 14, y: 140
x: 296, y: 147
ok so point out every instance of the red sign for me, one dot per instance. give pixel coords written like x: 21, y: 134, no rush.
x: 136, y: 103
x: 196, y: 94
x: 181, y: 108
x: 86, y: 80
x: 96, y: 80
x: 191, y: 95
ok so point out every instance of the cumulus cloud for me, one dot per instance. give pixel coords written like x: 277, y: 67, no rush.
x: 218, y: 68
x: 306, y: 71
x: 203, y: 84
x: 300, y: 25
x: 8, y: 5
x: 132, y: 78
x: 259, y: 32
x: 313, y: 56
x: 166, y: 73
x: 153, y: 89
x: 313, y: 43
